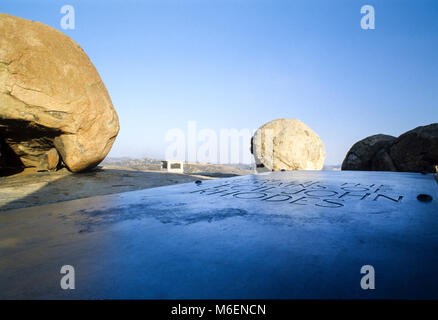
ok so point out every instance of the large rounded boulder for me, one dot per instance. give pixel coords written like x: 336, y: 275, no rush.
x: 365, y: 154
x: 417, y: 149
x: 51, y: 97
x: 413, y: 151
x: 287, y: 144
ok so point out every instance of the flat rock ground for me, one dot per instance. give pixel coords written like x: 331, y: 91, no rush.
x: 31, y: 188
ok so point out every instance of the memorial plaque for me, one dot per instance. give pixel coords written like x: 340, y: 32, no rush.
x: 296, y: 234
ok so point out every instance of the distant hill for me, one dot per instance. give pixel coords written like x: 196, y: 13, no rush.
x: 191, y: 168
x: 147, y: 164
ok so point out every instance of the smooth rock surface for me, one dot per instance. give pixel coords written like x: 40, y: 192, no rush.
x: 51, y: 96
x: 287, y: 144
x: 280, y: 235
x: 32, y: 188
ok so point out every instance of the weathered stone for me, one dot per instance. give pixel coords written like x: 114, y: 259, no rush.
x: 414, y: 151
x: 417, y: 149
x: 50, y: 161
x: 287, y: 144
x: 382, y: 162
x: 51, y: 96
x: 361, y: 154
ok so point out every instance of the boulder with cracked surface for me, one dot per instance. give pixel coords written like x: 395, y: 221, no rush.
x: 51, y: 96
x: 287, y: 144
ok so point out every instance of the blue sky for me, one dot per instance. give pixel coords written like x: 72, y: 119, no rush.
x: 241, y: 63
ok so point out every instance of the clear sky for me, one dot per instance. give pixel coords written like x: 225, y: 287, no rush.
x: 241, y: 63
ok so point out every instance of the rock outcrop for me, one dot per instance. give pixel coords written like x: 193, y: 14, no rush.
x: 51, y: 97
x: 287, y: 144
x: 417, y: 150
x: 362, y: 154
x: 50, y: 161
x: 413, y: 151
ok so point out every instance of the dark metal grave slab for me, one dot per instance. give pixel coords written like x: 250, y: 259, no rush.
x: 275, y: 235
